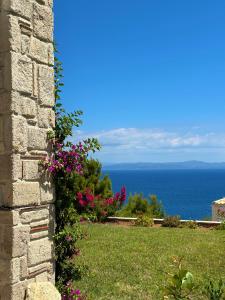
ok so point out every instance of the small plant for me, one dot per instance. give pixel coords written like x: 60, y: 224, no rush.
x: 171, y: 221
x: 180, y: 285
x: 144, y: 221
x: 214, y: 291
x: 72, y: 294
x: 190, y: 225
x: 221, y: 226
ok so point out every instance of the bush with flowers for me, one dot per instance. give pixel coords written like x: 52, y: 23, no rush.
x: 99, y: 206
x: 67, y: 160
x: 79, y: 189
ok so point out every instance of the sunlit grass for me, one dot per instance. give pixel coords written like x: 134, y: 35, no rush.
x: 130, y: 262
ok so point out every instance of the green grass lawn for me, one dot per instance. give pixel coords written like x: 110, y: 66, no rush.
x: 129, y: 262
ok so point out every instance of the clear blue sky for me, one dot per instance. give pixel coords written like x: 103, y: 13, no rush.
x: 149, y: 76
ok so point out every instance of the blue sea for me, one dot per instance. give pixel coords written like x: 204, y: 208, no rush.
x: 188, y: 193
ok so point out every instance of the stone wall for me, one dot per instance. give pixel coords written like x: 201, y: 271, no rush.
x: 26, y: 116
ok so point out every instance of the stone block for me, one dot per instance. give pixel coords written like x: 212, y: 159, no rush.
x: 5, y: 167
x: 46, y: 2
x: 43, y: 291
x: 43, y: 277
x: 11, y: 167
x: 47, y: 192
x: 5, y: 134
x: 20, y: 7
x: 20, y: 240
x: 16, y: 167
x: 15, y: 34
x: 5, y: 292
x: 39, y: 51
x: 37, y: 138
x: 26, y: 193
x: 19, y: 130
x: 34, y: 215
x: 20, y: 32
x: 5, y: 71
x: 43, y: 22
x: 46, y: 117
x: 6, y: 242
x: 9, y: 217
x: 9, y: 271
x: 14, y: 270
x: 5, y: 194
x: 51, y: 55
x: 31, y: 170
x: 4, y: 271
x: 4, y: 28
x: 24, y: 106
x: 46, y: 83
x: 5, y: 102
x: 22, y: 74
x: 39, y: 251
x: 23, y: 267
x: 18, y: 291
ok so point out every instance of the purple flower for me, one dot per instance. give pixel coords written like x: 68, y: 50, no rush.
x: 68, y: 238
x: 77, y: 292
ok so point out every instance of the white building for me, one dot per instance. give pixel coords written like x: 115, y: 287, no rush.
x: 218, y: 210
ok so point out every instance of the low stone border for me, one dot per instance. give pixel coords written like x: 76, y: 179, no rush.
x: 160, y: 221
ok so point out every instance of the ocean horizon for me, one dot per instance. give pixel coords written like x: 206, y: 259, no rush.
x: 187, y: 193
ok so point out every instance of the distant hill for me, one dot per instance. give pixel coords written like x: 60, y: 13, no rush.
x: 186, y: 165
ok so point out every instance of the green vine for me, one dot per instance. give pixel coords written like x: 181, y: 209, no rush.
x: 68, y: 230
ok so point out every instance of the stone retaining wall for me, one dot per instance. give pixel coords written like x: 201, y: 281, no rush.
x: 26, y: 116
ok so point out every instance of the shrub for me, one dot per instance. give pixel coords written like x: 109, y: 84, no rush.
x: 98, y: 206
x: 144, y: 221
x: 190, y: 225
x: 221, y: 226
x: 171, y: 221
x: 139, y: 205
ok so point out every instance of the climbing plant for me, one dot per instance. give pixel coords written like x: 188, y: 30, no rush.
x: 66, y: 160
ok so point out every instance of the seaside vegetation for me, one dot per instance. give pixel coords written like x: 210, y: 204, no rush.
x: 134, y: 262
x: 138, y: 205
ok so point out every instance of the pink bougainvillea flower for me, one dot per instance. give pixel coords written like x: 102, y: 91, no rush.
x: 77, y: 292
x: 123, y: 194
x: 82, y: 202
x: 90, y: 197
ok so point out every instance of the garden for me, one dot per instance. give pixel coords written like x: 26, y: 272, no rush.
x: 99, y: 260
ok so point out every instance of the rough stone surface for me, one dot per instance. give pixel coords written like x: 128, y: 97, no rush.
x: 26, y: 193
x: 42, y: 291
x: 31, y: 170
x: 42, y: 23
x: 22, y: 74
x: 26, y: 115
x: 39, y: 251
x: 37, y: 138
x: 46, y: 79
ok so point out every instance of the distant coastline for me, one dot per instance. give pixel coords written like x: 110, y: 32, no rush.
x: 186, y: 165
